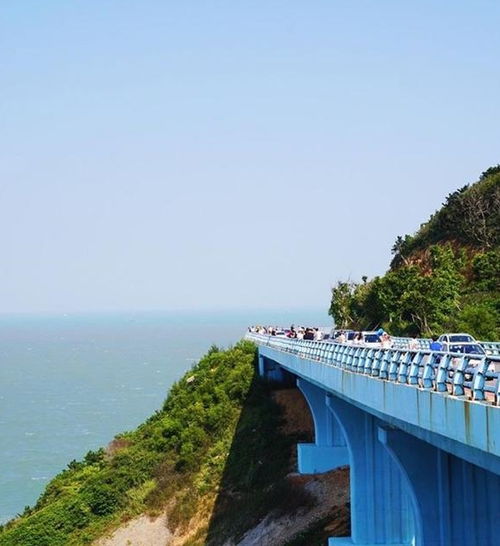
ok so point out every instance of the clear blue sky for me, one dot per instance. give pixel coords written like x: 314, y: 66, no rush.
x: 213, y: 154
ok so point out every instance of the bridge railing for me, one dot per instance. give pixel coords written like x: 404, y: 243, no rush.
x: 399, y: 342
x: 491, y: 347
x: 407, y: 342
x: 469, y: 376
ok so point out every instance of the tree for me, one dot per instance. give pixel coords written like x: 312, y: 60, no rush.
x: 480, y: 214
x: 486, y: 268
x: 478, y: 319
x: 401, y: 250
x: 341, y: 303
x: 431, y: 298
x: 490, y: 172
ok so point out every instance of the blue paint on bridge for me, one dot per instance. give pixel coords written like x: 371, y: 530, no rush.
x: 423, y: 444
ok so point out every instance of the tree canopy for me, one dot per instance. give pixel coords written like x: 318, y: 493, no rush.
x: 444, y: 277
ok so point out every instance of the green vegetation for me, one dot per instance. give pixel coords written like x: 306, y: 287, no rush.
x: 184, y: 443
x: 204, y: 451
x: 445, y: 277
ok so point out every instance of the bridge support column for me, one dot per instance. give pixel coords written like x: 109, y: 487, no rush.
x: 261, y: 365
x: 456, y: 502
x: 329, y: 450
x: 271, y: 370
x: 381, y: 510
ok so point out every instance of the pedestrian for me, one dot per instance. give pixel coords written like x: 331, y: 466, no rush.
x: 435, y: 344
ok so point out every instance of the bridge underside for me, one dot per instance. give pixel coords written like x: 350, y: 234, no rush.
x: 404, y: 490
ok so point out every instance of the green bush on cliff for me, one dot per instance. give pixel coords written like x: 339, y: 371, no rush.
x: 185, y: 443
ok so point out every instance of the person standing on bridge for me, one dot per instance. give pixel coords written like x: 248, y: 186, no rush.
x: 413, y: 344
x: 435, y: 344
x: 385, y: 341
x: 358, y: 338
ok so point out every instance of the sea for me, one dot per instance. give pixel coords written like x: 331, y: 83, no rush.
x: 70, y: 383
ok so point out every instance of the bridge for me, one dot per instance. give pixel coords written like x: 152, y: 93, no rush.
x: 420, y: 431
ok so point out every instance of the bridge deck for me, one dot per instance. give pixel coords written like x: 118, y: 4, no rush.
x: 423, y: 393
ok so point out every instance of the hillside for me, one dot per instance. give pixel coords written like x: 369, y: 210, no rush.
x: 214, y: 466
x: 445, y: 277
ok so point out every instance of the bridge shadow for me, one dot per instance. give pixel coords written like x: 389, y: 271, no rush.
x: 260, y: 486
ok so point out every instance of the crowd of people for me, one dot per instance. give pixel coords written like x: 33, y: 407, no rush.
x: 302, y: 332
x: 363, y: 338
x: 378, y: 337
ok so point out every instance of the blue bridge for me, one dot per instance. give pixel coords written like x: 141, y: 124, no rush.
x: 419, y: 430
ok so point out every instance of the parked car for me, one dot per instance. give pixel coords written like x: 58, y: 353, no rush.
x: 470, y: 349
x: 371, y: 339
x: 348, y: 335
x: 466, y: 348
x: 455, y: 338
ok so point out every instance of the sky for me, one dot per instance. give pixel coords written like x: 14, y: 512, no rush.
x: 230, y: 154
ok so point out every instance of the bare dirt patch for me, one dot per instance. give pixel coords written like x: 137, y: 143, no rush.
x: 329, y: 516
x: 141, y: 531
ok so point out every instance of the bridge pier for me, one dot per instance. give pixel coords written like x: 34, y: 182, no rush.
x: 261, y: 365
x: 456, y: 502
x: 381, y: 510
x: 329, y: 450
x: 271, y: 370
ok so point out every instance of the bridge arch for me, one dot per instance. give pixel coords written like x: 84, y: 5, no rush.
x: 382, y: 510
x: 329, y: 450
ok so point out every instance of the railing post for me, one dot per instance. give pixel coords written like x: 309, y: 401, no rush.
x: 335, y: 355
x: 393, y: 368
x: 384, y: 367
x: 322, y: 351
x: 343, y: 356
x: 428, y: 375
x: 348, y: 358
x: 361, y: 360
x: 367, y: 369
x: 415, y: 368
x: 459, y: 377
x: 497, y: 390
x: 479, y: 379
x: 442, y: 374
x: 355, y: 358
x: 315, y: 351
x: 358, y: 362
x: 330, y: 353
x: 379, y: 355
x: 403, y: 368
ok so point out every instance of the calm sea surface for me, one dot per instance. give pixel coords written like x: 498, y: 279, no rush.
x: 68, y: 384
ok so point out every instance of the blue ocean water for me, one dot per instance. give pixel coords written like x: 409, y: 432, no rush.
x: 68, y: 384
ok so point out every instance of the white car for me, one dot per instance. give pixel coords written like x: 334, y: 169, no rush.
x: 446, y: 339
